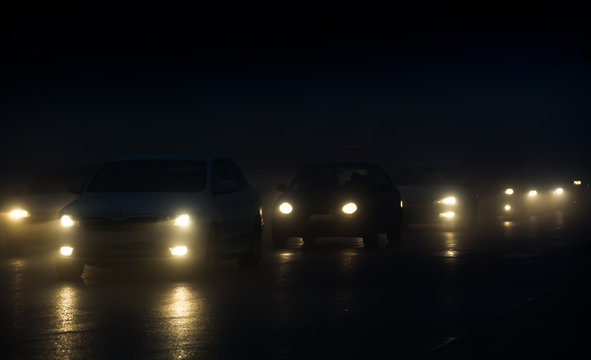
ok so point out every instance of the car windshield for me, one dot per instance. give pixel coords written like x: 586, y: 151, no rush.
x: 428, y: 176
x: 58, y: 180
x: 150, y: 176
x: 324, y: 178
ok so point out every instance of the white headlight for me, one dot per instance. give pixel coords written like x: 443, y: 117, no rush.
x: 532, y: 193
x: 509, y: 191
x: 17, y: 214
x: 450, y: 200
x: 179, y: 250
x: 67, y: 221
x: 349, y: 208
x: 507, y: 207
x: 66, y: 250
x: 558, y: 191
x: 183, y: 220
x: 577, y: 182
x: 285, y: 208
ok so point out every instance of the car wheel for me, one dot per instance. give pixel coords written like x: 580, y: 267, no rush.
x: 252, y: 258
x: 69, y: 270
x: 279, y: 239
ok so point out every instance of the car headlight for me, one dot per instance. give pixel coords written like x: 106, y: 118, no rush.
x: 349, y: 208
x: 68, y: 221
x: 577, y: 182
x: 285, y: 208
x: 450, y: 200
x: 447, y: 215
x: 509, y: 191
x: 182, y: 220
x: 179, y: 251
x: 558, y: 191
x: 66, y: 250
x: 532, y: 193
x: 18, y: 214
x: 507, y: 207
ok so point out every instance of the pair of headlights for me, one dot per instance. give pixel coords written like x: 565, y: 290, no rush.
x: 349, y: 208
x: 183, y: 220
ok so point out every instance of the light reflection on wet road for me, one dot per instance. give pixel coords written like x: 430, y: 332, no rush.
x: 337, y: 299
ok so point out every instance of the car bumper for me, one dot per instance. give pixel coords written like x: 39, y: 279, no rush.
x: 98, y: 247
x: 324, y: 225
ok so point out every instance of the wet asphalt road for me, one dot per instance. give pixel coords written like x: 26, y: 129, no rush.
x: 337, y: 299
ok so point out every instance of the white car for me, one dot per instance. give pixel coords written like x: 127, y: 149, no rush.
x: 184, y: 208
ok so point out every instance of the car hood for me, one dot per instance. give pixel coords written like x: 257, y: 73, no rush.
x: 122, y: 205
x: 428, y: 193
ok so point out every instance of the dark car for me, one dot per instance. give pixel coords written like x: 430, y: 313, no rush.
x: 338, y: 200
x: 433, y: 194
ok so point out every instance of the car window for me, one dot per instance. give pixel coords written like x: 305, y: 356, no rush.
x: 233, y: 172
x: 150, y: 176
x: 322, y: 178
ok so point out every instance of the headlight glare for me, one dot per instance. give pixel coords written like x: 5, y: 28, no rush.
x: 450, y: 200
x: 509, y: 191
x: 179, y: 250
x: 285, y: 208
x: 558, y: 191
x: 66, y: 250
x: 67, y: 221
x: 183, y: 220
x: 532, y: 193
x: 18, y: 214
x: 349, y: 208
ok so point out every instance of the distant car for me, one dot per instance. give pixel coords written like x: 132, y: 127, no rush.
x: 437, y: 195
x: 184, y: 208
x: 522, y: 197
x: 31, y: 214
x: 337, y: 200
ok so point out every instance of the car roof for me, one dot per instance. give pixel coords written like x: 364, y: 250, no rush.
x: 167, y: 156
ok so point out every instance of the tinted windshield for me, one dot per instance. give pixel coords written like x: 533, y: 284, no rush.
x: 58, y: 179
x: 150, y: 176
x: 428, y: 176
x: 332, y: 178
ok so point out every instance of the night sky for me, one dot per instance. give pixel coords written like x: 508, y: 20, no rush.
x: 485, y: 89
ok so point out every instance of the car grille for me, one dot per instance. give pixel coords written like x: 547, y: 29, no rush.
x: 107, y: 224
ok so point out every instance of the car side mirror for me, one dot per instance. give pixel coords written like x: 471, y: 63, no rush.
x: 226, y: 187
x: 282, y: 188
x: 76, y: 187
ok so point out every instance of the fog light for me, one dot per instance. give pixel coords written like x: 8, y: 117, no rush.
x: 66, y: 250
x: 558, y: 191
x: 179, y: 251
x: 507, y: 207
x: 509, y: 191
x: 18, y: 214
x: 447, y: 214
x: 532, y: 193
